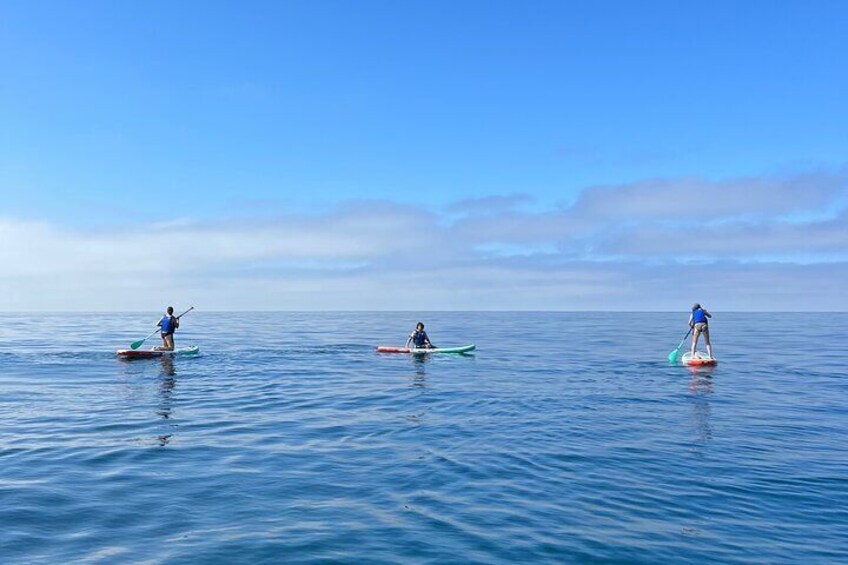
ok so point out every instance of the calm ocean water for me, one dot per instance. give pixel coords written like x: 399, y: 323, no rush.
x: 565, y: 438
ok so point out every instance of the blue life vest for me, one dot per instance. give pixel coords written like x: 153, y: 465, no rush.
x: 698, y: 316
x: 419, y: 338
x: 168, y: 325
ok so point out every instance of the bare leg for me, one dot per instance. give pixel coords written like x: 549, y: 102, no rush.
x: 170, y: 345
x: 707, y: 341
x: 695, y: 335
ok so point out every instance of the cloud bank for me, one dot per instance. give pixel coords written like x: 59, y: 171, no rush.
x: 768, y: 243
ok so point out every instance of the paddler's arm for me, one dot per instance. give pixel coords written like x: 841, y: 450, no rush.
x: 691, y: 324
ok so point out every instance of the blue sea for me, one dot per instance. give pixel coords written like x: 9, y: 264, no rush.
x: 564, y: 438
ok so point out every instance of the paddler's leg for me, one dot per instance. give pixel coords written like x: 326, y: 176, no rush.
x: 170, y: 342
x: 707, y: 341
x: 695, y: 334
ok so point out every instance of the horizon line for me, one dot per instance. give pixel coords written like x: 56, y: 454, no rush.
x: 439, y: 311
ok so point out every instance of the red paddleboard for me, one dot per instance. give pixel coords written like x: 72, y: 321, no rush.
x: 150, y: 353
x: 699, y: 360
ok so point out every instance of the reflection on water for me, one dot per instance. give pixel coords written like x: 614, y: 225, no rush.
x: 419, y: 363
x: 419, y: 381
x: 167, y: 382
x: 167, y: 366
x: 700, y: 391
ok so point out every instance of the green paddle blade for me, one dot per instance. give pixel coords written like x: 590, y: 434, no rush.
x: 672, y: 357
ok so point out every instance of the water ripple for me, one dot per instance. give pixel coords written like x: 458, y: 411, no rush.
x: 559, y: 441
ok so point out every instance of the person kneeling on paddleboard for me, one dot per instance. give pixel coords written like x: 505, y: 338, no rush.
x: 169, y: 324
x: 698, y: 322
x: 419, y: 338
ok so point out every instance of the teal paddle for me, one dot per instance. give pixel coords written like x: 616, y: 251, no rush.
x: 139, y: 343
x: 672, y: 357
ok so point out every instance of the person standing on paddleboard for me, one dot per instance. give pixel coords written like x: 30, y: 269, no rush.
x: 419, y: 338
x: 698, y: 323
x: 169, y: 324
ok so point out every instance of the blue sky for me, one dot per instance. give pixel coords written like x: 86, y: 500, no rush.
x: 544, y: 155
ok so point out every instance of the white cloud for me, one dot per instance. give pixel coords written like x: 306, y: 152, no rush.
x: 694, y: 199
x: 802, y: 242
x: 616, y: 248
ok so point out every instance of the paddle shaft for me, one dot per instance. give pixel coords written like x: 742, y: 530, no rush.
x: 684, y: 338
x: 151, y: 335
x: 672, y: 357
x: 192, y: 308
